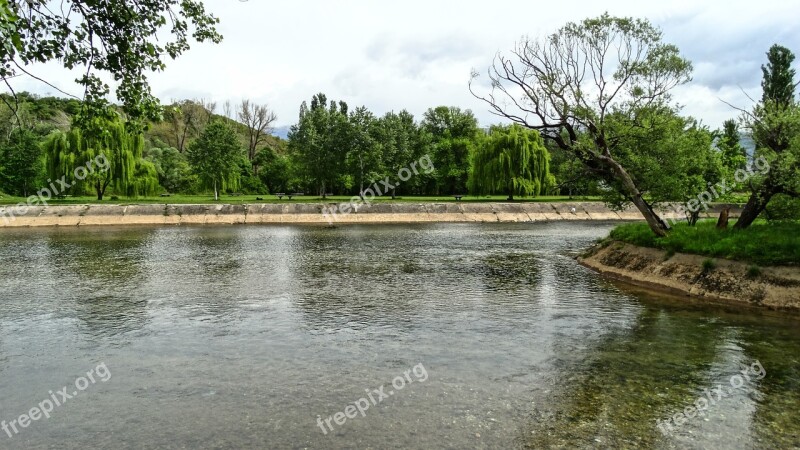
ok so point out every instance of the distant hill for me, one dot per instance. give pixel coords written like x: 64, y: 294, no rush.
x: 49, y: 113
x: 747, y: 142
x: 281, y: 132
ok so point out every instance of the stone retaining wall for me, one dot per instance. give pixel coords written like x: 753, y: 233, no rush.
x: 313, y: 213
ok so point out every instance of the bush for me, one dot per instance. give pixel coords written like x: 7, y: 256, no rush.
x: 753, y: 272
x: 709, y: 265
x: 782, y: 207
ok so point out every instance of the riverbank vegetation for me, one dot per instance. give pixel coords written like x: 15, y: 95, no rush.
x: 600, y: 91
x: 590, y: 109
x: 236, y: 199
x: 763, y: 243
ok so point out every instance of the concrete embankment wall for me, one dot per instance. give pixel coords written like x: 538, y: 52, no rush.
x: 683, y: 274
x: 314, y: 213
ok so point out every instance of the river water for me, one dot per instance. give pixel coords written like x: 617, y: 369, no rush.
x: 253, y: 337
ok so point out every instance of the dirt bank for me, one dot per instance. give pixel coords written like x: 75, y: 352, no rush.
x: 692, y: 275
x: 310, y: 213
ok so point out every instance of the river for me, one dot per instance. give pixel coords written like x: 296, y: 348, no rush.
x: 486, y: 335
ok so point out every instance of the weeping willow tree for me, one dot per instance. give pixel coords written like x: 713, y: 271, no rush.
x: 145, y: 179
x: 512, y: 161
x: 93, y: 162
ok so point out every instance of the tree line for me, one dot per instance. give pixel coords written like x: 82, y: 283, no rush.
x: 591, y: 104
x: 331, y: 150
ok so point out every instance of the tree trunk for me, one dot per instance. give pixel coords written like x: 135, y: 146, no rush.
x: 722, y: 223
x: 216, y: 193
x: 692, y: 217
x: 99, y: 189
x: 656, y: 223
x: 754, y: 207
x: 324, y: 194
x: 361, y: 175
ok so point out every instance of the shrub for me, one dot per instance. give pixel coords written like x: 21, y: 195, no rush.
x: 753, y: 272
x: 708, y: 266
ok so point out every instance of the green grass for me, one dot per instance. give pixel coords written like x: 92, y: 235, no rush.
x: 764, y: 244
x: 271, y: 198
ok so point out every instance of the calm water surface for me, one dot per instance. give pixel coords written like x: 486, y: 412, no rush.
x: 241, y: 337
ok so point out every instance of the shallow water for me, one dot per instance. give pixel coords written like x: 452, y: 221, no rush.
x: 241, y: 337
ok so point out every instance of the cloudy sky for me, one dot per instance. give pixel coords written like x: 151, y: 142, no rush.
x: 418, y: 54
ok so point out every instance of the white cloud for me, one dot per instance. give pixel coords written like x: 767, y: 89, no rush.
x: 418, y: 54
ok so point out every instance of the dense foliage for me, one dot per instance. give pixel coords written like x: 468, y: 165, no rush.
x: 215, y: 158
x: 513, y: 161
x: 625, y: 141
x: 775, y: 126
x: 127, y: 40
x: 93, y: 160
x: 586, y: 87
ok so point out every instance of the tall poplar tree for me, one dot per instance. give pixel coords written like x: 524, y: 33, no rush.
x: 775, y: 125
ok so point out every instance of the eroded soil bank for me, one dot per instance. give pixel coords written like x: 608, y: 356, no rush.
x: 315, y: 213
x: 700, y: 277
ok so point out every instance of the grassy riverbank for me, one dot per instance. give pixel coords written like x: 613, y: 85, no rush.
x: 271, y: 198
x: 763, y: 243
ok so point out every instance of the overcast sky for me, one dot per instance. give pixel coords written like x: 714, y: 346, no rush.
x: 418, y: 54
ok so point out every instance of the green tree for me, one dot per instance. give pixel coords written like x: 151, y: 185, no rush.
x: 276, y: 171
x: 215, y: 157
x: 512, y: 160
x: 778, y: 76
x: 775, y: 126
x: 249, y: 182
x: 571, y: 176
x: 567, y: 84
x: 670, y: 159
x: 364, y: 157
x: 21, y: 157
x: 145, y: 180
x: 402, y: 142
x: 734, y: 156
x: 454, y: 133
x: 319, y: 141
x: 173, y: 169
x: 106, y: 155
x: 127, y: 40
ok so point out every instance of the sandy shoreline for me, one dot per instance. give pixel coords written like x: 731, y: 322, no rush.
x: 683, y: 274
